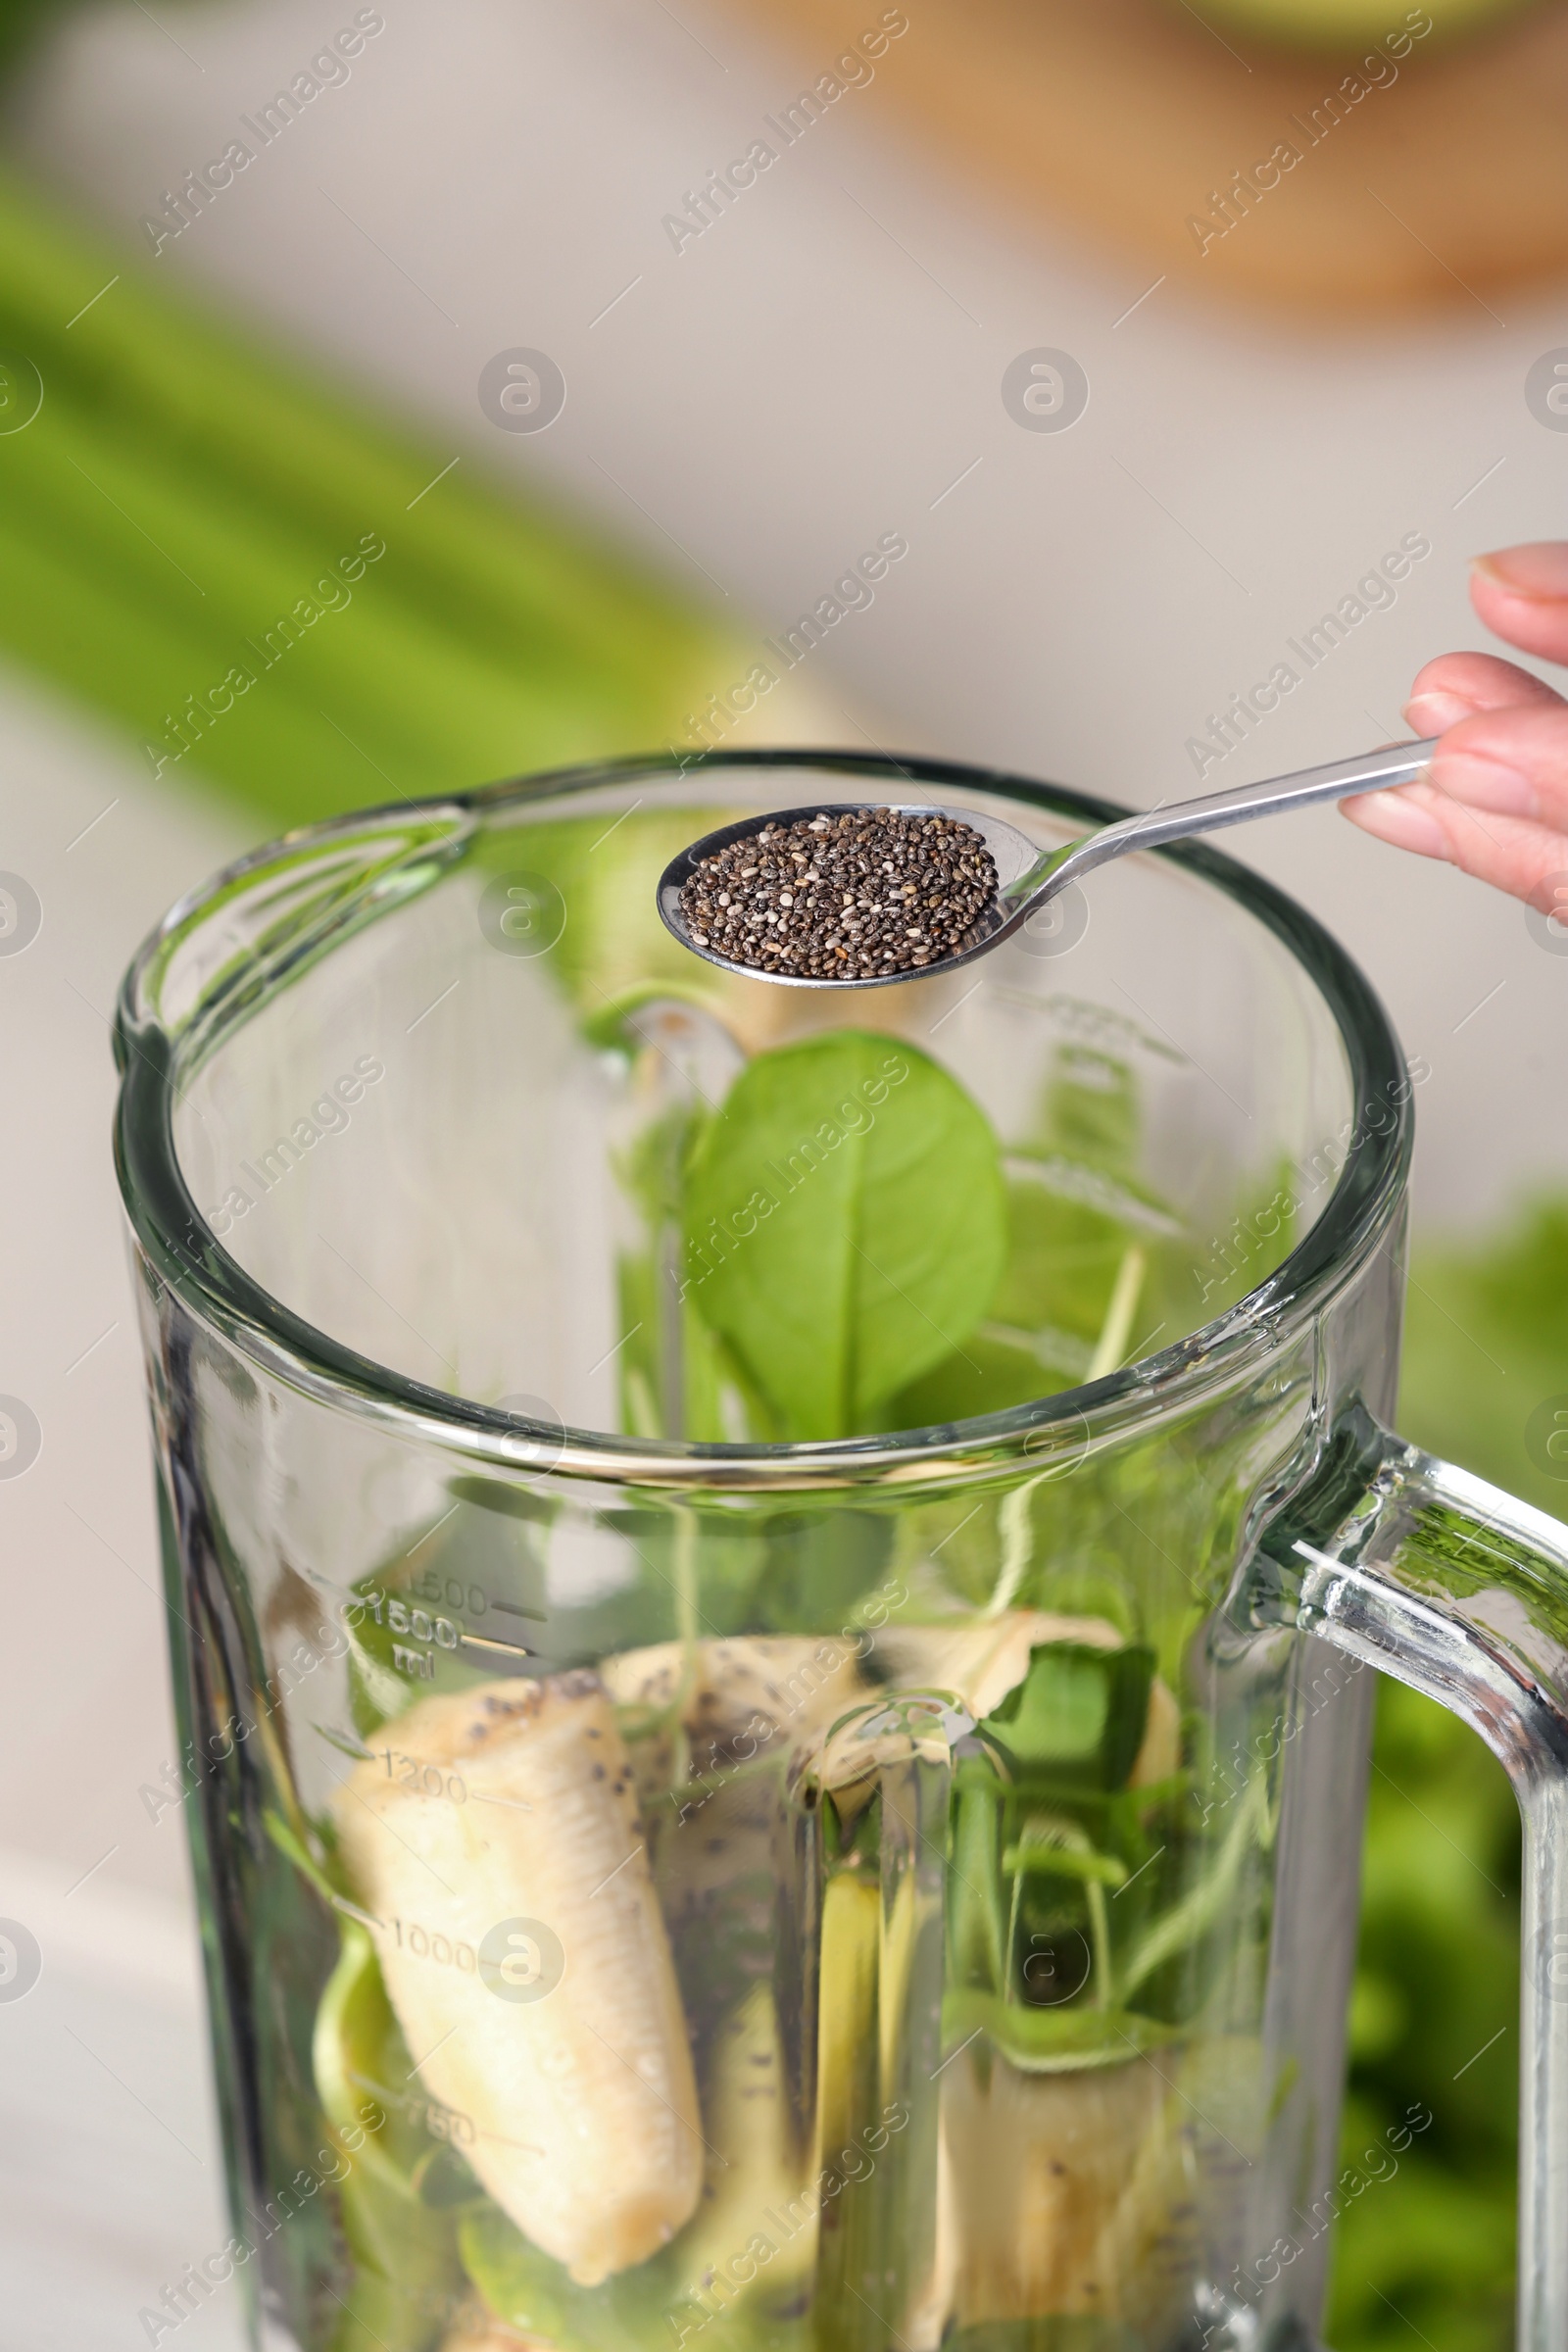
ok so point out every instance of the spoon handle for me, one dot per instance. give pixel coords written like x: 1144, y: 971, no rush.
x: 1373, y: 772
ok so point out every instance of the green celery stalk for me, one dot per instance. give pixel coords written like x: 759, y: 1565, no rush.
x: 487, y: 640
x: 163, y: 373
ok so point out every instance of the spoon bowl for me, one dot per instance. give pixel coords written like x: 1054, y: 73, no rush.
x: 1028, y: 877
x: 1014, y: 855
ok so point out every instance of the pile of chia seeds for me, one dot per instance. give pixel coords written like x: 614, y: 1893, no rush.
x: 843, y: 897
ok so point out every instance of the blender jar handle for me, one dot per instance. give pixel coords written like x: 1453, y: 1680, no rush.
x: 1461, y: 1590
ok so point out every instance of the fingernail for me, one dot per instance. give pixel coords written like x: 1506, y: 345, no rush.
x: 1436, y: 714
x: 1394, y: 819
x: 1539, y: 569
x: 1484, y: 783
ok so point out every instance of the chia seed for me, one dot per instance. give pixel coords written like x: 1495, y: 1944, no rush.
x: 843, y: 897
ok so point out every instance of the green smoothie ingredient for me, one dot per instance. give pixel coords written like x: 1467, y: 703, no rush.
x: 845, y: 1227
x: 843, y: 897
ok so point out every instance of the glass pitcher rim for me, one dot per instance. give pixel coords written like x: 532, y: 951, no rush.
x: 1050, y: 1434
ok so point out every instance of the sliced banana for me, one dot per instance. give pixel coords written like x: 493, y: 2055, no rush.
x: 755, y: 2237
x: 703, y: 1724
x: 1044, y: 2168
x: 983, y: 1662
x: 526, y: 1959
x: 1161, y: 1751
x: 977, y: 1663
x: 1085, y: 2192
x: 927, y: 2320
x: 732, y: 1699
x: 883, y: 1733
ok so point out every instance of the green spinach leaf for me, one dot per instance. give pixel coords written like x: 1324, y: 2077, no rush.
x: 845, y: 1227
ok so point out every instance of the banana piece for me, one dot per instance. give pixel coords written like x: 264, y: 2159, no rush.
x: 979, y: 1663
x: 581, y: 2093
x: 846, y: 2009
x: 732, y: 1699
x: 1085, y: 2192
x: 718, y: 1713
x: 983, y: 1662
x: 879, y: 1735
x: 926, y: 2323
x: 1161, y: 1751
x: 1041, y: 2166
x: 754, y: 2236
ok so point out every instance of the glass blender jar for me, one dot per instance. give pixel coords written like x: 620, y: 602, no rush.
x: 671, y: 1875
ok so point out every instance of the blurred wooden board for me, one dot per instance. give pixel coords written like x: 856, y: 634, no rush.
x: 1447, y: 184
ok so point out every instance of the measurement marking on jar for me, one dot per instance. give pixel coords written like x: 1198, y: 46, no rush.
x: 416, y: 1656
x: 440, y: 2120
x: 435, y: 1587
x: 400, y: 1619
x: 449, y: 2124
x: 432, y: 1628
x: 414, y: 1775
x: 428, y: 1943
x: 517, y: 1650
x: 425, y: 1779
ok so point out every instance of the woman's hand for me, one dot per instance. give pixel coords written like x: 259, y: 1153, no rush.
x: 1495, y: 801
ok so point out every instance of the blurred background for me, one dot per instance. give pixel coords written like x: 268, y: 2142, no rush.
x: 396, y: 397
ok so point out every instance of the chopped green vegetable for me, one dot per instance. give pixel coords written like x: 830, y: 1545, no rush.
x: 404, y: 2247
x: 1077, y: 1716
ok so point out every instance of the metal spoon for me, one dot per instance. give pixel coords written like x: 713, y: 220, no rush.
x: 1029, y: 877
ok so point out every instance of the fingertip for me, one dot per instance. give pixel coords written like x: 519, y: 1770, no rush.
x: 1462, y: 685
x: 1534, y: 618
x: 1393, y: 817
x: 1492, y: 598
x: 1435, y: 711
x: 1536, y: 568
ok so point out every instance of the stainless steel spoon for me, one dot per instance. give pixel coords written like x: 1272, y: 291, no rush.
x: 1029, y: 877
